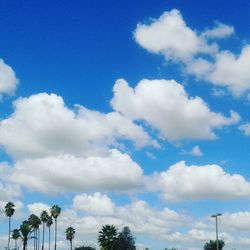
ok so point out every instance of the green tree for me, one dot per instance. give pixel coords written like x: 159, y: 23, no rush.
x: 107, y: 238
x: 125, y: 240
x: 70, y: 233
x: 9, y: 211
x: 211, y: 245
x: 44, y: 217
x: 35, y: 222
x: 48, y: 224
x: 25, y: 230
x: 15, y: 236
x: 84, y: 248
x: 55, y: 212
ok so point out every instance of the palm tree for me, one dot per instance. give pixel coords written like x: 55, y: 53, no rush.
x: 107, y: 238
x: 48, y: 224
x: 9, y: 211
x: 25, y: 230
x: 44, y: 217
x: 70, y: 232
x: 15, y: 236
x: 35, y: 222
x: 55, y: 212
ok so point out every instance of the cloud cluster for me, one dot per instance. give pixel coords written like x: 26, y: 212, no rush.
x: 46, y: 126
x: 182, y: 182
x: 165, y: 105
x: 199, y: 52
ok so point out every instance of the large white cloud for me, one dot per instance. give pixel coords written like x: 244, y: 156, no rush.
x: 45, y: 126
x: 182, y: 182
x: 62, y: 173
x: 8, y: 80
x: 166, y: 106
x: 170, y: 36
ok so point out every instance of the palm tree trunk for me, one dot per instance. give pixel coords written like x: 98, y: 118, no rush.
x: 70, y: 244
x: 24, y: 245
x: 9, y: 235
x: 38, y: 238
x: 34, y: 239
x: 15, y: 244
x: 49, y: 237
x: 43, y: 236
x: 55, y: 232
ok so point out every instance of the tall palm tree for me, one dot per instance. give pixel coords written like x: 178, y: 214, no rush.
x: 107, y: 238
x: 70, y: 233
x: 44, y: 217
x: 48, y: 224
x: 35, y: 222
x: 9, y: 211
x: 25, y: 230
x: 15, y: 236
x: 55, y: 212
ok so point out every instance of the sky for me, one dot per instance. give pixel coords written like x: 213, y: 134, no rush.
x: 132, y: 113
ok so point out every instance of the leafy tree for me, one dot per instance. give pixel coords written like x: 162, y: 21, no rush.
x: 107, y: 238
x: 70, y: 233
x: 9, y: 211
x: 212, y: 245
x: 55, y: 212
x: 84, y: 248
x: 25, y: 230
x: 15, y: 236
x: 48, y: 224
x: 125, y: 240
x: 44, y: 217
x: 35, y: 222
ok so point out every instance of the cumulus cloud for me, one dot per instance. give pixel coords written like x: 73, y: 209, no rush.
x: 166, y: 106
x: 219, y: 31
x: 37, y: 207
x: 46, y: 127
x: 53, y: 174
x: 8, y: 80
x: 182, y: 182
x: 245, y: 128
x: 170, y: 36
x: 195, y: 151
x: 96, y: 204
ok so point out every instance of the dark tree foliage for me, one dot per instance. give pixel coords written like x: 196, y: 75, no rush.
x: 107, y: 238
x: 84, y: 248
x: 125, y: 240
x: 211, y: 245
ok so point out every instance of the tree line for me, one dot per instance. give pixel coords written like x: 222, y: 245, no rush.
x: 108, y: 238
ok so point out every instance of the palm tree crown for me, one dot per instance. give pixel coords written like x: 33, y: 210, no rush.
x: 9, y: 211
x: 70, y: 232
x: 108, y: 237
x: 55, y: 211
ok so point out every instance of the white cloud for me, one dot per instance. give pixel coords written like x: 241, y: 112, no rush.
x: 219, y: 31
x: 53, y: 174
x: 196, y: 151
x: 182, y: 182
x: 8, y: 80
x: 231, y: 71
x: 166, y: 106
x: 46, y: 127
x: 245, y: 128
x: 37, y: 207
x: 170, y: 36
x: 96, y: 204
x: 9, y: 190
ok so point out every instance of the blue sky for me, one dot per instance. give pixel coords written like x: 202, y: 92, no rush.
x: 128, y: 113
